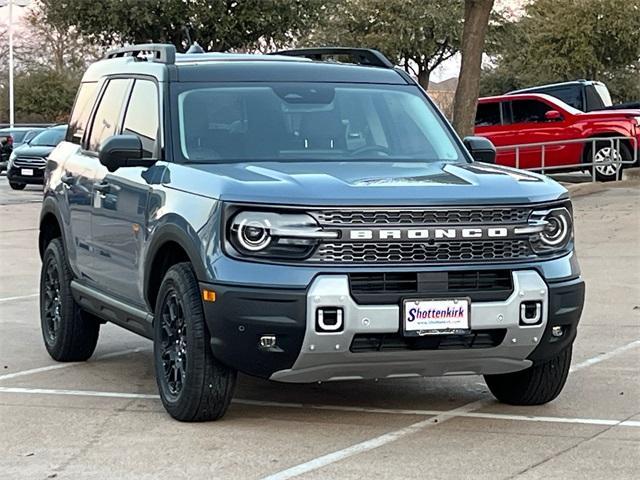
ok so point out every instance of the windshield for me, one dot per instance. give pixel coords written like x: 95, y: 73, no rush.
x: 48, y: 138
x: 302, y: 121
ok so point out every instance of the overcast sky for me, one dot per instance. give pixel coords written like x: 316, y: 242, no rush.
x: 448, y: 69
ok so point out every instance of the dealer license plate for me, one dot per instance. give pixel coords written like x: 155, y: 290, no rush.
x: 27, y: 172
x: 435, y: 317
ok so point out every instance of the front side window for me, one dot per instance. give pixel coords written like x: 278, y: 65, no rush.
x: 529, y: 111
x: 279, y: 122
x: 141, y: 118
x: 105, y: 122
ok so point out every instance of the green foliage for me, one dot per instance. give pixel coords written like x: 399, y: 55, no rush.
x: 559, y: 40
x: 217, y: 25
x: 417, y: 34
x: 41, y: 96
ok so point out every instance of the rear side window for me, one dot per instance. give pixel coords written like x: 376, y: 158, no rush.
x: 488, y: 114
x: 529, y: 111
x: 105, y: 121
x: 81, y: 110
x: 141, y: 118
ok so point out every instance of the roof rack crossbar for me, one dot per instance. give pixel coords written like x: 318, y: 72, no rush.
x: 361, y: 56
x: 162, y: 52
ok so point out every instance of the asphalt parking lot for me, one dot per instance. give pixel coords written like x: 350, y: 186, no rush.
x: 102, y: 419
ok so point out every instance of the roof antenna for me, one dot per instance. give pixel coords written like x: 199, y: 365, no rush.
x: 195, y: 47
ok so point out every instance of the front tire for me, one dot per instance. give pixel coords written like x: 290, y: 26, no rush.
x: 604, y: 152
x: 69, y: 333
x: 17, y: 186
x: 535, y: 385
x: 194, y: 386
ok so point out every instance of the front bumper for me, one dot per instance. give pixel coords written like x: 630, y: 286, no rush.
x: 241, y: 315
x: 14, y: 174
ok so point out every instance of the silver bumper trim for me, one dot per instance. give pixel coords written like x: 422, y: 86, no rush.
x: 326, y: 356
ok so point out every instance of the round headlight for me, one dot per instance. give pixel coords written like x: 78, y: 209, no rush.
x: 557, y: 230
x: 254, y: 235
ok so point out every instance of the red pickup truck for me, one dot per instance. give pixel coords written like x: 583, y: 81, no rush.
x: 509, y: 120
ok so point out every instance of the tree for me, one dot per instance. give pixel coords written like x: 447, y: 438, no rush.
x: 476, y: 22
x: 418, y: 35
x: 57, y: 47
x: 559, y: 40
x: 220, y: 25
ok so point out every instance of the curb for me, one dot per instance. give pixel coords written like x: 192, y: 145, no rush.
x: 581, y: 189
x: 631, y: 173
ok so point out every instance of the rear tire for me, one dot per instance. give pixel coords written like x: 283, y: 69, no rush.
x: 604, y: 152
x: 70, y: 334
x: 535, y: 385
x: 194, y: 386
x: 17, y: 186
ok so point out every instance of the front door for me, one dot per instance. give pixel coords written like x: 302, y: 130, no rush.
x: 119, y: 216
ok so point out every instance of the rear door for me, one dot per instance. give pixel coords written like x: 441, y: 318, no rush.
x: 119, y: 216
x: 76, y: 180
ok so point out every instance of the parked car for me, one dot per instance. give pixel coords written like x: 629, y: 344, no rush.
x: 299, y: 221
x: 509, y: 120
x: 20, y: 135
x: 585, y: 95
x: 27, y: 162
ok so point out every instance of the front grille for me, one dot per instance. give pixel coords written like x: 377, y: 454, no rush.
x: 30, y: 162
x: 452, y: 251
x: 385, y: 288
x: 460, y: 216
x: 389, y: 342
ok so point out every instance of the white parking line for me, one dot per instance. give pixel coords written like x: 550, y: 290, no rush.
x: 339, y: 408
x: 604, y: 356
x: 11, y: 299
x: 58, y: 366
x: 371, y: 444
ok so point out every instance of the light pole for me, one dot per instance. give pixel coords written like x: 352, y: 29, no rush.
x: 20, y: 3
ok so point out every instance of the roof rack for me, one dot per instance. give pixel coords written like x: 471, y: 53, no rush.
x: 361, y: 56
x: 161, y: 52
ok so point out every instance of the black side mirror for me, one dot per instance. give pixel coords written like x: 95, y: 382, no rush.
x: 122, y: 151
x: 481, y: 149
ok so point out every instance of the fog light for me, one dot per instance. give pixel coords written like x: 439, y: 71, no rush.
x: 267, y: 341
x: 329, y: 320
x: 557, y: 331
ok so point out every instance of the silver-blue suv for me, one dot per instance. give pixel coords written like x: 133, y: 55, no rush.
x: 299, y: 220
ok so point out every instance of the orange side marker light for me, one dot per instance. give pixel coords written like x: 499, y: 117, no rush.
x: 208, y: 295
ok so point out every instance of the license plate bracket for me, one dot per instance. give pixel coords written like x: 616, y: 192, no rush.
x: 435, y: 316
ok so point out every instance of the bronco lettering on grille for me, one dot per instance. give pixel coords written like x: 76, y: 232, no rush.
x: 400, y: 234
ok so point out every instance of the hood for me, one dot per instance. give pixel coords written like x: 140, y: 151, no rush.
x: 622, y: 113
x: 364, y: 183
x: 26, y: 150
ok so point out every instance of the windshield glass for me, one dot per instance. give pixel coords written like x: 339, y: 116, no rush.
x: 302, y: 121
x: 48, y: 138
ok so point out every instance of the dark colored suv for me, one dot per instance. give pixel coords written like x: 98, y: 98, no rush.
x: 27, y: 162
x: 301, y: 221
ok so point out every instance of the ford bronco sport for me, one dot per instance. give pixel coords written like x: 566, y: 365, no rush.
x: 299, y: 220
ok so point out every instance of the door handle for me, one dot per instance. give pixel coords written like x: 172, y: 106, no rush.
x: 102, y: 187
x: 67, y: 179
